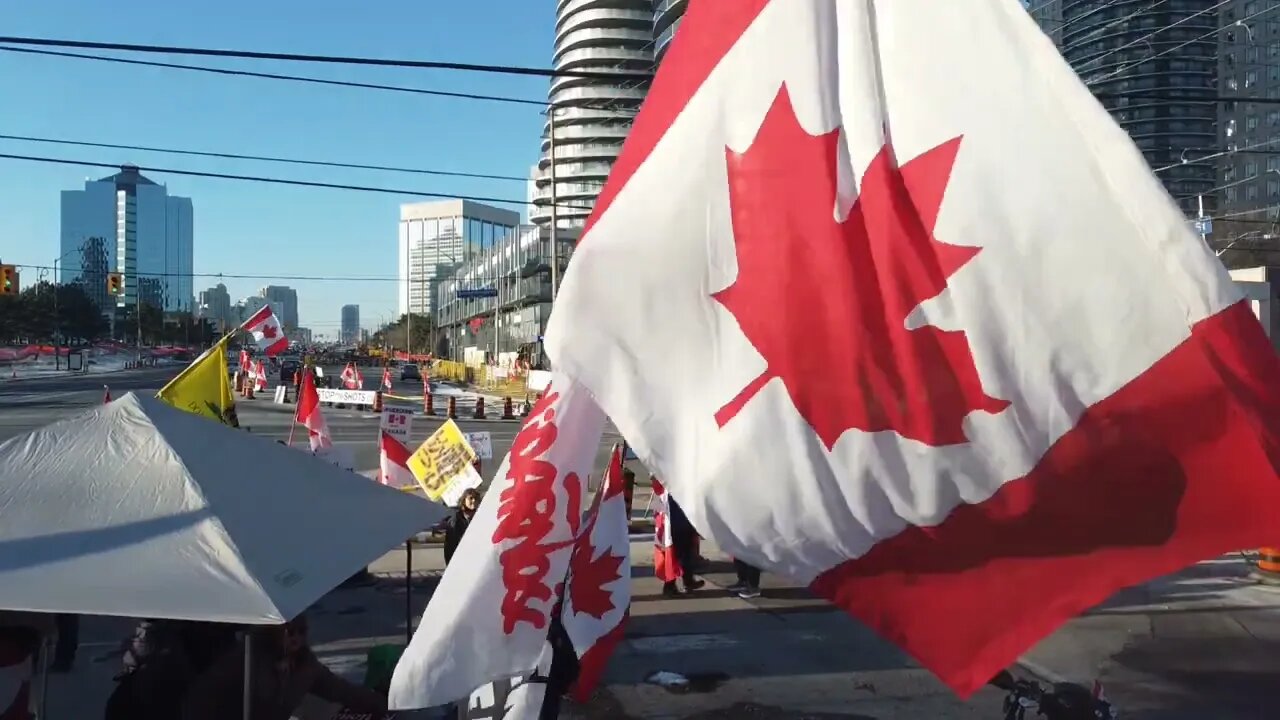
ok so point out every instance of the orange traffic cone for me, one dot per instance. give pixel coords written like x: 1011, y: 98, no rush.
x: 106, y: 394
x: 479, y: 408
x: 508, y: 412
x: 453, y: 408
x: 428, y: 404
x: 1268, y: 570
x: 377, y: 401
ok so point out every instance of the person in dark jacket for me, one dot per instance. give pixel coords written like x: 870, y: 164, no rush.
x: 457, y: 526
x: 684, y: 541
x: 284, y: 670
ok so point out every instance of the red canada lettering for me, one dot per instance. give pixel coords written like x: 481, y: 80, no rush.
x: 526, y: 516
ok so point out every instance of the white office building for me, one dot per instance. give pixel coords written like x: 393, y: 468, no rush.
x: 143, y: 232
x: 438, y: 237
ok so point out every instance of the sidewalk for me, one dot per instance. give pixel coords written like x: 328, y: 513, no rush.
x: 1204, y: 643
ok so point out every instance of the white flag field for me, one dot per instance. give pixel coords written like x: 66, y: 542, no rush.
x: 907, y: 319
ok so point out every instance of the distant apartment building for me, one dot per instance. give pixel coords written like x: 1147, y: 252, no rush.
x: 214, y: 305
x: 666, y: 19
x: 592, y: 115
x: 302, y: 335
x: 437, y: 237
x: 349, y: 333
x: 1248, y: 68
x: 285, y: 298
x: 1155, y: 67
x: 145, y: 233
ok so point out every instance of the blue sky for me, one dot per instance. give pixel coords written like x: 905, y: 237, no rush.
x: 256, y: 229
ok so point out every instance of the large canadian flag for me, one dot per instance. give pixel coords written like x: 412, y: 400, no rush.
x: 908, y: 318
x: 266, y: 331
x: 491, y: 614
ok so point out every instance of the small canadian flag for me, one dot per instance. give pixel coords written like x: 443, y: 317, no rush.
x: 351, y: 377
x: 259, y: 377
x: 394, y: 464
x: 267, y: 332
x: 386, y: 378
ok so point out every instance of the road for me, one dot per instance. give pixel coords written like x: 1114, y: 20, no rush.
x: 1202, y: 644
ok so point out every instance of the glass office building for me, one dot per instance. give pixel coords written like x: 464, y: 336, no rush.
x: 437, y: 237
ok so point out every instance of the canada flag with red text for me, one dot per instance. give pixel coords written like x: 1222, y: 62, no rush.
x: 908, y: 318
x: 490, y: 616
x: 597, y: 596
x: 266, y: 331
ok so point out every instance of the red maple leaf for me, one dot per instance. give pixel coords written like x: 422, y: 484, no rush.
x: 268, y: 331
x: 825, y: 302
x: 591, y: 574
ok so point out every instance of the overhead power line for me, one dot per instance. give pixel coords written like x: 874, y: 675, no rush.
x: 264, y: 158
x: 326, y: 59
x: 237, y: 276
x: 282, y: 181
x: 277, y: 76
x: 584, y: 105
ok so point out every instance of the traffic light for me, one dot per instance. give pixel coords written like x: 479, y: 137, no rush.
x: 115, y: 283
x: 8, y: 280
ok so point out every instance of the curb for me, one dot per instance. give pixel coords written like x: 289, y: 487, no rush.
x: 1039, y: 672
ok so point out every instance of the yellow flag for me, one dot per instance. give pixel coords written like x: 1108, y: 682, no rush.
x: 204, y: 388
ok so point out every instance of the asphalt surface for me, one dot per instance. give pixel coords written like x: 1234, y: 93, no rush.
x: 1202, y: 644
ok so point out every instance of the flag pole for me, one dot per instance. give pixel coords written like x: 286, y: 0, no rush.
x: 408, y: 591
x: 216, y: 346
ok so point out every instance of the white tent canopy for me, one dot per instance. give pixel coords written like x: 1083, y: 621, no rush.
x: 138, y: 509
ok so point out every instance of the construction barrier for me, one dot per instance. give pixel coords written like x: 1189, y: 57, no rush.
x: 428, y: 404
x: 508, y: 412
x: 1268, y: 569
x: 377, y: 401
x: 453, y: 408
x: 479, y: 408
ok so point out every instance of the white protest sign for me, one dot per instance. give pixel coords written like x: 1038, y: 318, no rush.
x: 397, y: 422
x: 482, y: 443
x: 346, y: 397
x: 462, y: 482
x: 280, y: 395
x: 539, y: 380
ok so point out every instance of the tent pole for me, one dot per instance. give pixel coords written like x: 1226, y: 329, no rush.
x: 408, y: 591
x: 44, y: 679
x: 247, y: 705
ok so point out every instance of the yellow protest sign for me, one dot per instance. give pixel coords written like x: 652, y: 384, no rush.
x: 440, y: 459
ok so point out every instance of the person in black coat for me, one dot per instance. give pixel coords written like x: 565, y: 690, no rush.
x: 457, y: 525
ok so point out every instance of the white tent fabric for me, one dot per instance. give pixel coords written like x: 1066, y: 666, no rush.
x: 139, y: 509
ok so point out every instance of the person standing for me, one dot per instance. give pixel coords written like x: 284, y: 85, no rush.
x: 674, y: 543
x: 748, y: 585
x: 64, y: 649
x: 457, y: 526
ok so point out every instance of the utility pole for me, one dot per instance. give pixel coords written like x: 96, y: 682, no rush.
x: 137, y: 295
x: 555, y: 246
x: 57, y: 343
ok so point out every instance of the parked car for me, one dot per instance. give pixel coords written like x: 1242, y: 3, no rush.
x: 409, y: 371
x: 288, y: 368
